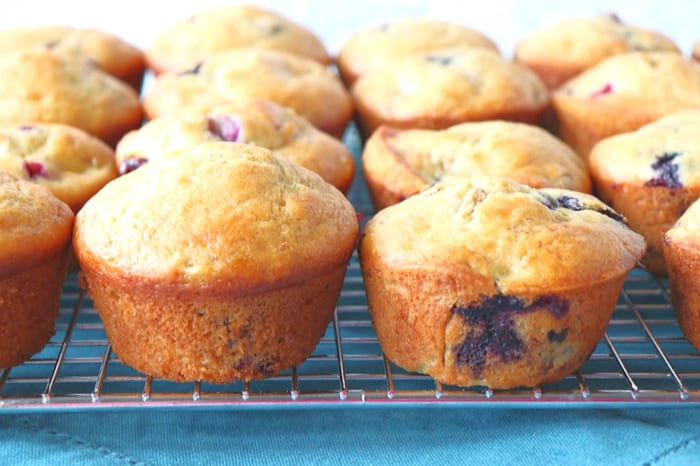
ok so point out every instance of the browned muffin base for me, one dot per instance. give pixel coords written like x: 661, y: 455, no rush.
x: 683, y: 263
x: 29, y: 307
x: 215, y: 338
x: 650, y: 211
x: 423, y: 325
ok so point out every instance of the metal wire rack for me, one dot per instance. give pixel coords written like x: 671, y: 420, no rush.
x: 642, y: 360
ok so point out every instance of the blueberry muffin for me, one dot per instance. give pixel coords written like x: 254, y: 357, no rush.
x: 622, y: 93
x: 34, y: 244
x: 306, y: 86
x: 45, y: 87
x: 400, y: 163
x: 651, y: 176
x: 440, y: 89
x: 375, y: 46
x: 193, y: 40
x: 112, y: 54
x: 485, y: 282
x: 562, y: 50
x: 222, y: 263
x: 257, y: 122
x: 69, y: 162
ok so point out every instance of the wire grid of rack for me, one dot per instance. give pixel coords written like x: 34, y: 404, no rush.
x: 642, y: 360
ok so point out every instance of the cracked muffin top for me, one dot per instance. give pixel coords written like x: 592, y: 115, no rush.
x: 193, y: 39
x: 564, y: 49
x: 69, y: 162
x: 521, y: 238
x: 258, y: 122
x: 374, y: 46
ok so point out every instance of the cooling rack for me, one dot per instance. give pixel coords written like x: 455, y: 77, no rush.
x: 642, y: 360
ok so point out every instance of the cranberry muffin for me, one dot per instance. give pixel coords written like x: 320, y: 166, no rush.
x: 377, y: 45
x: 622, y: 93
x: 400, y: 163
x: 112, y: 54
x: 491, y: 283
x: 192, y: 40
x: 34, y: 245
x: 440, y: 89
x: 562, y: 50
x: 222, y: 263
x: 306, y: 86
x: 257, y: 122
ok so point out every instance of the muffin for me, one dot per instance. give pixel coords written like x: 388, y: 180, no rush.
x: 33, y: 252
x: 696, y: 51
x: 257, y: 122
x: 400, y: 163
x: 562, y: 50
x: 651, y: 176
x: 69, y: 162
x: 491, y: 283
x: 376, y: 46
x: 222, y: 263
x: 45, y: 87
x: 622, y: 93
x: 194, y: 39
x: 311, y: 89
x: 113, y: 55
x: 440, y: 89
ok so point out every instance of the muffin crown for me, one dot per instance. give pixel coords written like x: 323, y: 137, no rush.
x: 220, y: 217
x: 524, y: 239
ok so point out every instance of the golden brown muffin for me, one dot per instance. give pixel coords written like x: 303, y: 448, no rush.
x: 378, y: 45
x: 622, y: 93
x: 488, y: 282
x: 681, y: 249
x: 113, y: 55
x: 651, y: 176
x: 400, y: 163
x: 257, y: 122
x: 443, y: 88
x: 34, y: 242
x: 562, y: 50
x: 311, y: 89
x: 43, y: 86
x: 194, y: 39
x: 69, y: 162
x: 222, y: 263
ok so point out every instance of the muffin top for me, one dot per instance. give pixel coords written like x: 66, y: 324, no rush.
x: 218, y: 218
x: 687, y: 228
x: 521, y: 238
x: 576, y: 44
x: 663, y: 153
x: 192, y: 40
x: 439, y: 89
x: 653, y: 83
x: 523, y: 153
x: 308, y: 87
x: 257, y: 122
x: 35, y: 224
x: 69, y: 162
x: 43, y: 86
x: 112, y: 54
x: 375, y: 46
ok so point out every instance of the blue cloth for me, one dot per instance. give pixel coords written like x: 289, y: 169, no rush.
x: 354, y: 436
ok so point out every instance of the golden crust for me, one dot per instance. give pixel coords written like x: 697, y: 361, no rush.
x: 256, y: 122
x: 194, y: 39
x: 400, y: 163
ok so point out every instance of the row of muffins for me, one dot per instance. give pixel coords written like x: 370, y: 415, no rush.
x: 224, y: 127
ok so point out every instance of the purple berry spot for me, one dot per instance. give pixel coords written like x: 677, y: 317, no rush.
x: 226, y: 127
x: 606, y: 89
x: 557, y: 337
x: 573, y: 203
x: 492, y: 332
x: 194, y: 70
x: 665, y: 171
x: 439, y: 60
x: 35, y: 169
x: 275, y: 29
x: 129, y: 165
x: 27, y: 128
